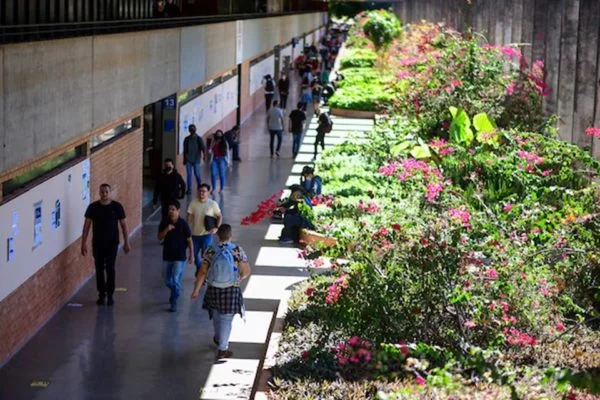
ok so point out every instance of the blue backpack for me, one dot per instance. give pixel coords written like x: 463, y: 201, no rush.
x: 222, y: 272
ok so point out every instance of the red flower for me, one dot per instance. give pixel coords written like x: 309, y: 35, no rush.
x: 396, y: 227
x: 403, y: 348
x: 309, y: 292
x: 304, y: 355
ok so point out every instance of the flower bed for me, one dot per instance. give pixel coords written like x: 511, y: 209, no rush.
x: 473, y: 239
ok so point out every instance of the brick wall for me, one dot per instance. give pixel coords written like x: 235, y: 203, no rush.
x: 120, y: 165
x: 30, y: 306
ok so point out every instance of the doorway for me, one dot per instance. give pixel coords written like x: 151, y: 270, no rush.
x: 160, y: 142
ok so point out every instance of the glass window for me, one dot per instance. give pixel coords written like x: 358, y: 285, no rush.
x: 118, y: 130
x: 40, y: 173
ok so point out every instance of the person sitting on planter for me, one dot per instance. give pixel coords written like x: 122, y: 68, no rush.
x: 293, y: 220
x: 311, y: 183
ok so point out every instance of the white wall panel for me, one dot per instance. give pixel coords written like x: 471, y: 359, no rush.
x: 27, y: 259
x: 258, y: 71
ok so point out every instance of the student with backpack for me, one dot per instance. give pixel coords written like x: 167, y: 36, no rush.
x: 269, y: 90
x: 224, y: 267
x: 325, y: 126
x: 311, y: 183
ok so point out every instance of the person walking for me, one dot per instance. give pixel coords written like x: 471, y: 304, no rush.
x: 204, y: 217
x: 297, y: 121
x: 105, y: 216
x: 169, y: 186
x: 220, y: 159
x: 193, y: 152
x: 224, y: 266
x: 233, y: 140
x: 177, y: 237
x: 269, y: 90
x: 284, y: 90
x: 276, y: 126
x: 325, y: 125
x: 316, y: 95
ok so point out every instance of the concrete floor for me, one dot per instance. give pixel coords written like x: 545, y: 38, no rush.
x: 137, y: 350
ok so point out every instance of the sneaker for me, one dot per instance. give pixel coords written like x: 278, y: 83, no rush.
x: 100, y: 301
x: 173, y: 308
x: 271, y: 155
x: 110, y: 301
x: 224, y: 354
x: 286, y: 241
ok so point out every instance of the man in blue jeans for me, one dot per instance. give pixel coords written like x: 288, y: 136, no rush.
x: 193, y: 152
x: 224, y: 266
x: 177, y: 238
x: 276, y: 126
x: 199, y: 209
x: 297, y: 120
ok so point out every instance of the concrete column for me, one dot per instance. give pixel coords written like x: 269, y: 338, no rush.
x: 586, y: 81
x: 491, y: 6
x: 517, y: 21
x: 553, y: 12
x: 507, y: 21
x: 527, y: 29
x: 539, y: 30
x: 567, y: 68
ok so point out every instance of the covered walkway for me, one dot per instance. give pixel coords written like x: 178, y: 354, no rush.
x: 136, y: 349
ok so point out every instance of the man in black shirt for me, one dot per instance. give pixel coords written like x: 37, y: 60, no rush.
x: 297, y: 119
x: 105, y: 215
x: 177, y: 237
x: 170, y: 186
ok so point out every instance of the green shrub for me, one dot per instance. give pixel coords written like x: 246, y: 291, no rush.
x: 358, y: 58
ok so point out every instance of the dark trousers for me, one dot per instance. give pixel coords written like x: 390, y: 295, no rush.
x: 274, y: 133
x: 268, y: 100
x: 319, y: 140
x: 104, y: 259
x: 283, y: 100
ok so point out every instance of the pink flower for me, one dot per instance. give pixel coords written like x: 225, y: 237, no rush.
x: 507, y: 207
x: 560, y: 327
x: 593, y: 132
x: 492, y: 274
x: 433, y: 190
x: 403, y: 75
x: 420, y: 380
x: 461, y: 215
x: 343, y: 360
x: 546, y: 172
x: 470, y: 324
x: 510, y: 89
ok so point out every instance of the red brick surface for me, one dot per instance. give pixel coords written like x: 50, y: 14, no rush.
x: 33, y: 303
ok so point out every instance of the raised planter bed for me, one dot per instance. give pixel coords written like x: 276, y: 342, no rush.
x: 308, y: 237
x: 340, y: 112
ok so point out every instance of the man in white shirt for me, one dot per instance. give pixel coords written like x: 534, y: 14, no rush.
x: 198, y: 211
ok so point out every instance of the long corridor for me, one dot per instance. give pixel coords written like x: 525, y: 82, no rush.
x: 138, y: 350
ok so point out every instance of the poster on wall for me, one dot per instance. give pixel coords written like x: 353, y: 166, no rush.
x: 85, y: 181
x: 37, y: 224
x: 56, y: 216
x: 15, y: 224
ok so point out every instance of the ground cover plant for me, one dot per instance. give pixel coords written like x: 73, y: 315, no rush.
x: 468, y: 243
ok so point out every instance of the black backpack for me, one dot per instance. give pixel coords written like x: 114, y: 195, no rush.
x: 270, y: 86
x: 325, y: 122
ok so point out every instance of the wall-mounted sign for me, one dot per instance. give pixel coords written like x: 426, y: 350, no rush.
x: 56, y: 215
x: 37, y: 224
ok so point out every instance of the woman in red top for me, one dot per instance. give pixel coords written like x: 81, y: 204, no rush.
x: 220, y: 159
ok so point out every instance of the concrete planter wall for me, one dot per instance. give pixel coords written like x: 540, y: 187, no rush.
x: 340, y: 112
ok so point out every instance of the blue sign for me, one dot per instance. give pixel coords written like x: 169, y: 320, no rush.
x: 170, y: 103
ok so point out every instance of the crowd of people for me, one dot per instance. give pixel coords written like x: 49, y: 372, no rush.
x: 202, y: 239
